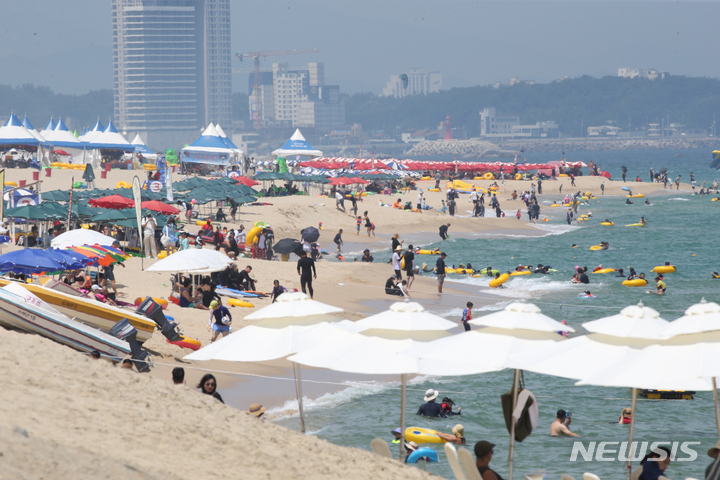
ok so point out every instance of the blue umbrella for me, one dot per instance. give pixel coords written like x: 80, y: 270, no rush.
x: 31, y: 260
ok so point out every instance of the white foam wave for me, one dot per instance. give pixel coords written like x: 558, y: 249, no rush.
x: 522, y: 287
x: 678, y: 199
x: 553, y: 229
x: 354, y: 391
x: 457, y: 312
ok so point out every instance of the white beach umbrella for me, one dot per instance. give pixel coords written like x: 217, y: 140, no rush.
x: 293, y: 305
x: 260, y: 344
x: 81, y: 236
x: 405, y: 320
x: 636, y: 321
x: 521, y: 315
x: 701, y: 317
x: 195, y: 261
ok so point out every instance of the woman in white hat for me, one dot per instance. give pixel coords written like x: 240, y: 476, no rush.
x: 457, y: 436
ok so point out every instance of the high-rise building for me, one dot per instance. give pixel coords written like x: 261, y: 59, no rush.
x: 420, y: 82
x: 171, y: 68
x: 298, y: 98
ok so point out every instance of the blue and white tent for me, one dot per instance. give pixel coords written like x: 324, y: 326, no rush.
x: 89, y: 135
x: 26, y: 123
x: 13, y: 133
x: 50, y: 126
x: 225, y: 138
x: 61, y: 137
x: 210, y: 149
x: 140, y: 147
x: 297, y: 146
x: 110, y: 139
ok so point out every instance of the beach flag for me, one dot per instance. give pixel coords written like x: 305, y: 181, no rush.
x: 137, y: 196
x: 715, y: 159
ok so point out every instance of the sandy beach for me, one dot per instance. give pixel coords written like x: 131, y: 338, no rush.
x: 126, y: 421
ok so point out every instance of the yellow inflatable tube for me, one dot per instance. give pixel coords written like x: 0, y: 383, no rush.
x: 665, y: 269
x: 425, y: 178
x: 422, y: 435
x: 428, y: 252
x: 524, y: 272
x: 605, y: 270
x: 495, y: 283
x: 433, y: 189
x: 489, y: 176
x: 607, y: 223
x: 637, y: 195
x: 518, y: 176
x: 122, y: 185
x: 596, y: 247
x: 715, y: 200
x: 236, y: 302
x: 251, y: 238
x: 638, y: 282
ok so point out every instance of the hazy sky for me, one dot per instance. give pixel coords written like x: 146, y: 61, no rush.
x: 66, y: 45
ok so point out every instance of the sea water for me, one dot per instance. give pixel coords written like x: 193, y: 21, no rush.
x: 682, y: 229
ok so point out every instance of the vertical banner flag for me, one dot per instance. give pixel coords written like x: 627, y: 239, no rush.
x: 168, y: 183
x: 69, y: 224
x: 138, y: 209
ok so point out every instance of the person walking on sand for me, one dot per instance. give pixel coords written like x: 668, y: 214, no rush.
x: 306, y: 270
x: 409, y: 259
x: 340, y: 201
x: 440, y: 271
x: 518, y: 215
x: 677, y: 182
x: 369, y: 225
x: 358, y: 224
x: 602, y: 188
x: 149, y: 225
x: 444, y: 231
x: 467, y: 316
x: 572, y: 180
x: 419, y: 201
x: 396, y: 262
x: 338, y: 240
x: 219, y: 321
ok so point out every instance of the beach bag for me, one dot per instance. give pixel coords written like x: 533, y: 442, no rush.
x: 526, y: 412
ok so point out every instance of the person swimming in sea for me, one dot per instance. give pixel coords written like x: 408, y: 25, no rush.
x: 604, y: 245
x: 539, y: 269
x: 643, y: 221
x: 632, y: 274
x: 497, y: 277
x: 488, y: 272
x: 586, y: 294
x: 659, y: 286
x: 628, y: 202
x: 620, y: 273
x: 647, y: 202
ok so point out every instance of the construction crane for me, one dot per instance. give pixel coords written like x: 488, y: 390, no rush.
x: 257, y: 117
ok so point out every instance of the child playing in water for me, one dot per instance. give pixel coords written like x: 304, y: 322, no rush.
x: 518, y: 215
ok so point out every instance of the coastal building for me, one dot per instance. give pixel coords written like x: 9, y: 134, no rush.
x: 492, y: 125
x: 298, y: 98
x: 171, y: 68
x: 419, y: 82
x: 650, y: 74
x: 603, y: 131
x: 247, y: 142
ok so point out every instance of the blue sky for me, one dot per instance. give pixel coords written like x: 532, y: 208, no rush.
x: 67, y: 45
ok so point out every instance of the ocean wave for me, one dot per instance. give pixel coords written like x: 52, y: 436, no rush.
x: 522, y: 287
x: 457, y: 312
x: 354, y: 390
x: 678, y: 199
x: 556, y: 229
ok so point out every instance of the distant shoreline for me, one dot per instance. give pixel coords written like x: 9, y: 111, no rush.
x: 480, y: 149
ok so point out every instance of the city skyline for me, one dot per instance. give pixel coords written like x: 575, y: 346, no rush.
x: 362, y: 44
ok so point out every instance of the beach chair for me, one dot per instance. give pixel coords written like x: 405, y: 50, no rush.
x: 468, y: 462
x: 565, y: 476
x: 454, y: 462
x: 380, y: 447
x: 590, y: 476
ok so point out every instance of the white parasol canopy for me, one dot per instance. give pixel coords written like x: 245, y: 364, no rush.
x: 405, y: 320
x: 521, y: 315
x: 701, y: 317
x: 636, y: 321
x: 293, y: 305
x: 81, y: 236
x: 260, y: 344
x: 194, y: 261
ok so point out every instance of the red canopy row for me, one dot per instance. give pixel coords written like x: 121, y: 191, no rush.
x: 119, y: 202
x: 336, y: 163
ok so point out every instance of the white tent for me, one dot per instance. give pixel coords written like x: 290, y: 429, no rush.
x: 14, y: 133
x: 297, y: 145
x: 140, y: 147
x: 110, y: 139
x: 26, y: 123
x: 62, y: 137
x: 210, y: 148
x: 97, y: 130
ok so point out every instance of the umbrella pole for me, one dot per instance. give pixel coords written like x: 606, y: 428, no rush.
x: 402, y: 416
x: 300, y: 396
x: 633, y: 403
x: 516, y: 379
x: 715, y: 401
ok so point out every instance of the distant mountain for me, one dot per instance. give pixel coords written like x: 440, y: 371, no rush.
x: 623, y: 102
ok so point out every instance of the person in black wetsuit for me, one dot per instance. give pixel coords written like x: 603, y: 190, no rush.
x: 583, y: 277
x: 248, y: 283
x: 392, y: 288
x: 306, y: 270
x: 444, y: 231
x: 431, y: 409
